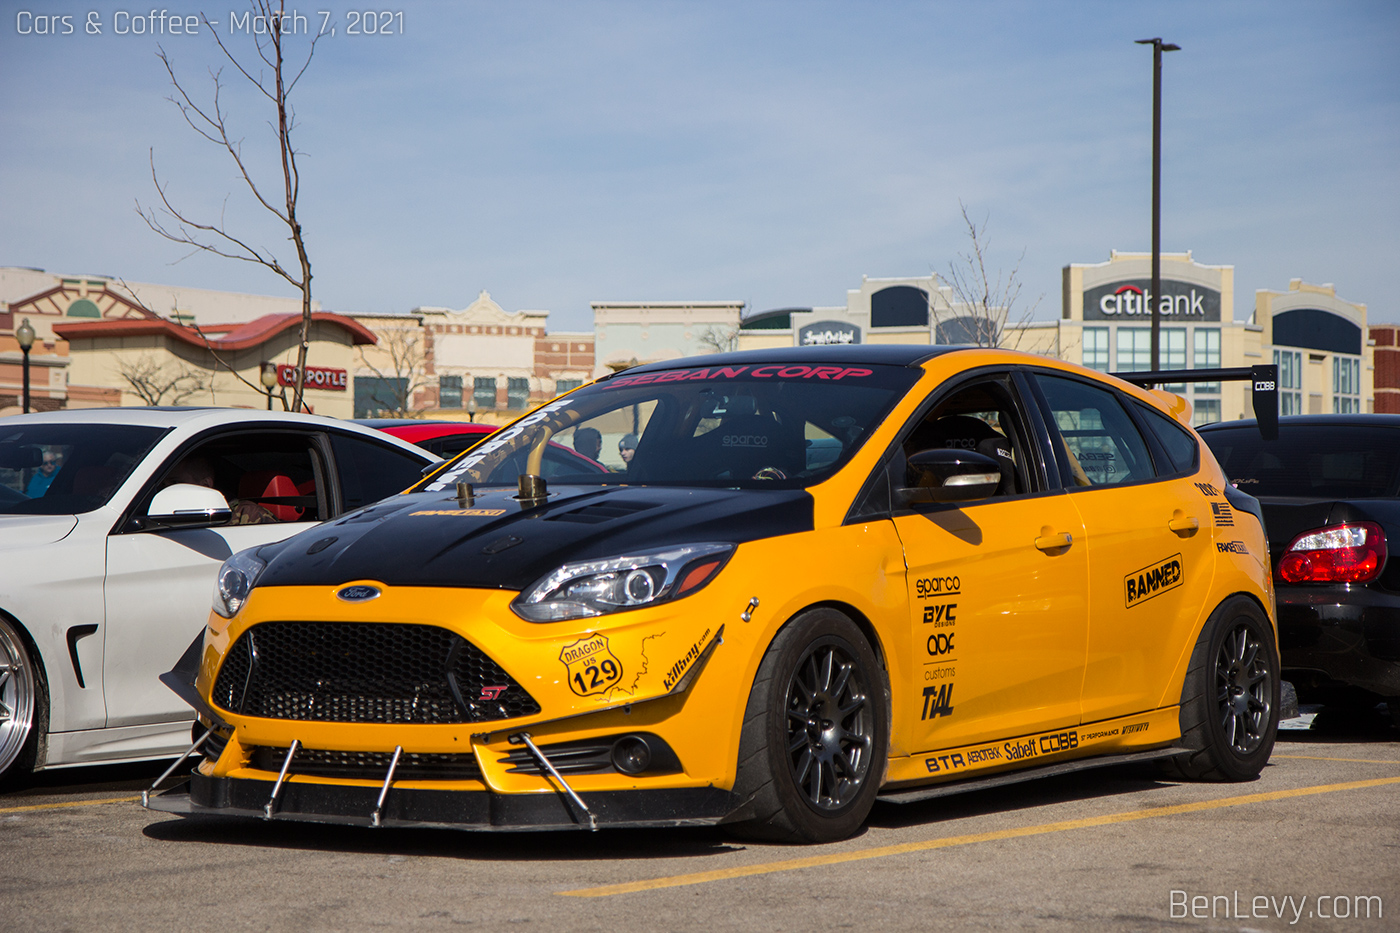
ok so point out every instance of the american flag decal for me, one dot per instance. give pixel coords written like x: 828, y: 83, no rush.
x: 1224, y: 518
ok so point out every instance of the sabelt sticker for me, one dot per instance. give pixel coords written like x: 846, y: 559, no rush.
x: 1153, y: 580
x: 591, y: 665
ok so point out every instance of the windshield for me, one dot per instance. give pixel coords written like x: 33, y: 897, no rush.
x: 1311, y: 461
x: 64, y: 469
x: 746, y: 426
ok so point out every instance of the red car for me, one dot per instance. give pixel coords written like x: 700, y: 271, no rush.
x: 446, y: 439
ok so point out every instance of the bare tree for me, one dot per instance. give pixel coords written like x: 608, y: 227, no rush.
x: 720, y: 338
x: 210, y: 120
x: 155, y: 384
x: 982, y: 302
x: 402, y: 372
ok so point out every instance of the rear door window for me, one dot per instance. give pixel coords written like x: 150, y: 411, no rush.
x: 1099, y: 442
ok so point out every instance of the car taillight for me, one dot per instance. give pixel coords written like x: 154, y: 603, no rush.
x: 1352, y: 553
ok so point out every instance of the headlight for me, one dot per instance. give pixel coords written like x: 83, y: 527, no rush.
x: 597, y: 587
x: 237, y: 577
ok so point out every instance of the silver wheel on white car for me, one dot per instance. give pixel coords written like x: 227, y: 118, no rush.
x: 20, y: 704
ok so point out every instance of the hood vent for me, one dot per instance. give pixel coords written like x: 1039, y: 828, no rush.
x: 600, y: 512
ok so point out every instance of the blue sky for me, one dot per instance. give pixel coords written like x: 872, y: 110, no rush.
x: 557, y: 153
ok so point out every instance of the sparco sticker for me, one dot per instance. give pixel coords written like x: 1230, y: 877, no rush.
x: 592, y: 667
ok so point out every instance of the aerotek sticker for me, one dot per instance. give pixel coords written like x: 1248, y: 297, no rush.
x: 592, y: 667
x: 1224, y: 518
x: 1231, y: 547
x: 938, y: 701
x: 1154, y: 580
x: 470, y: 513
x: 680, y: 667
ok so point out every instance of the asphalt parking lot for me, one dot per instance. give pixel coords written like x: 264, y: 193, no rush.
x: 1312, y: 845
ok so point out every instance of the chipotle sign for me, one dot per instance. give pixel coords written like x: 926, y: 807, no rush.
x: 317, y: 377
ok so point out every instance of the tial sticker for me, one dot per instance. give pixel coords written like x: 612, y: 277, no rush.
x: 1154, y: 580
x: 591, y: 665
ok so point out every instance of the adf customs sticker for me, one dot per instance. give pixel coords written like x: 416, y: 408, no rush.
x: 592, y: 667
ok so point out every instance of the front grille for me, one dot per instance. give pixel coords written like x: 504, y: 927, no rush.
x: 365, y: 672
x: 367, y: 766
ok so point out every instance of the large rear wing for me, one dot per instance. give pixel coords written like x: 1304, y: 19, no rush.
x: 1264, y: 378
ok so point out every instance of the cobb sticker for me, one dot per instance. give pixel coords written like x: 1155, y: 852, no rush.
x: 592, y: 667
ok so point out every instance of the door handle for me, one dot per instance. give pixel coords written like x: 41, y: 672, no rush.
x: 1184, y: 524
x: 1053, y: 542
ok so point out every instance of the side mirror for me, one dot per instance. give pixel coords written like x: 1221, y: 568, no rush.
x: 949, y: 475
x: 430, y: 468
x: 185, y: 504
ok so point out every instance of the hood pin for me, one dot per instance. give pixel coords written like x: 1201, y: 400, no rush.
x: 747, y: 614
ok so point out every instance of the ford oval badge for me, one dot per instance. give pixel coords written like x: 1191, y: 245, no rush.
x: 358, y: 594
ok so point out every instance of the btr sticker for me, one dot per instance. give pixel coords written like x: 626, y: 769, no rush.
x: 938, y: 701
x: 944, y: 762
x: 1141, y: 585
x: 592, y: 667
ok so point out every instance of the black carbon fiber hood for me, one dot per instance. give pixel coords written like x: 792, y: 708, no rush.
x: 428, y: 539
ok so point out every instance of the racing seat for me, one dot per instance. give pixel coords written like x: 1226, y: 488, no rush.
x: 266, y: 488
x: 964, y: 432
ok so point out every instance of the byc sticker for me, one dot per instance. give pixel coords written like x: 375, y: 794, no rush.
x: 591, y: 665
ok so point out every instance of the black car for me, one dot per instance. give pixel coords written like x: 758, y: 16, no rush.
x: 1330, y: 491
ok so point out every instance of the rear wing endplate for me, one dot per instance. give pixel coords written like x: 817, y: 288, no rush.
x: 1264, y: 378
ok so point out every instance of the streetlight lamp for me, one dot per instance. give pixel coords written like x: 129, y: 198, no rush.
x: 269, y: 379
x: 1158, y: 47
x: 24, y: 335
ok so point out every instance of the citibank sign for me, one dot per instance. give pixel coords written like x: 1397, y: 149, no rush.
x: 1180, y: 301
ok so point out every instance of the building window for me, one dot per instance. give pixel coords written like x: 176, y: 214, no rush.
x: 1207, y: 356
x: 1096, y: 348
x: 517, y: 392
x: 449, y: 392
x: 1205, y: 411
x: 566, y: 385
x: 1134, y: 350
x: 1290, y: 381
x: 380, y: 397
x: 484, y: 392
x: 1172, y: 353
x: 1346, y: 385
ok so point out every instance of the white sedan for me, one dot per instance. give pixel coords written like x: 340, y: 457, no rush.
x: 113, y: 524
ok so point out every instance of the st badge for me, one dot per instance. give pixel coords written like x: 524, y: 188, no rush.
x: 592, y: 668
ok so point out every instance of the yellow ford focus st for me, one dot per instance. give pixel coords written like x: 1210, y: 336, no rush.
x: 806, y: 579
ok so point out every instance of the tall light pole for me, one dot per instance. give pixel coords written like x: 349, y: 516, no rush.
x: 1158, y: 47
x: 24, y: 335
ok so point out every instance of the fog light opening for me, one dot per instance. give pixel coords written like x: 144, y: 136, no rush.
x: 631, y: 754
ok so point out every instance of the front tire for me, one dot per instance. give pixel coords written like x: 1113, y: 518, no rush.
x: 1230, y: 699
x: 23, y: 706
x: 815, y: 738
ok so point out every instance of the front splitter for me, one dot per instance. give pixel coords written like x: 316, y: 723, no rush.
x: 480, y: 811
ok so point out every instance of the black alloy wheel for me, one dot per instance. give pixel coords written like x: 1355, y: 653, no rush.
x: 1244, y: 685
x: 816, y: 733
x: 831, y: 729
x: 1230, y: 697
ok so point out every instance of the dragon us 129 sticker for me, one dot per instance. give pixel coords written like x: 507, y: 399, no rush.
x: 592, y: 667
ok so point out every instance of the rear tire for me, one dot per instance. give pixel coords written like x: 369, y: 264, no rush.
x: 815, y: 738
x: 1230, y: 699
x: 23, y: 706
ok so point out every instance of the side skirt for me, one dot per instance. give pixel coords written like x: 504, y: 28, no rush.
x: 1029, y: 774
